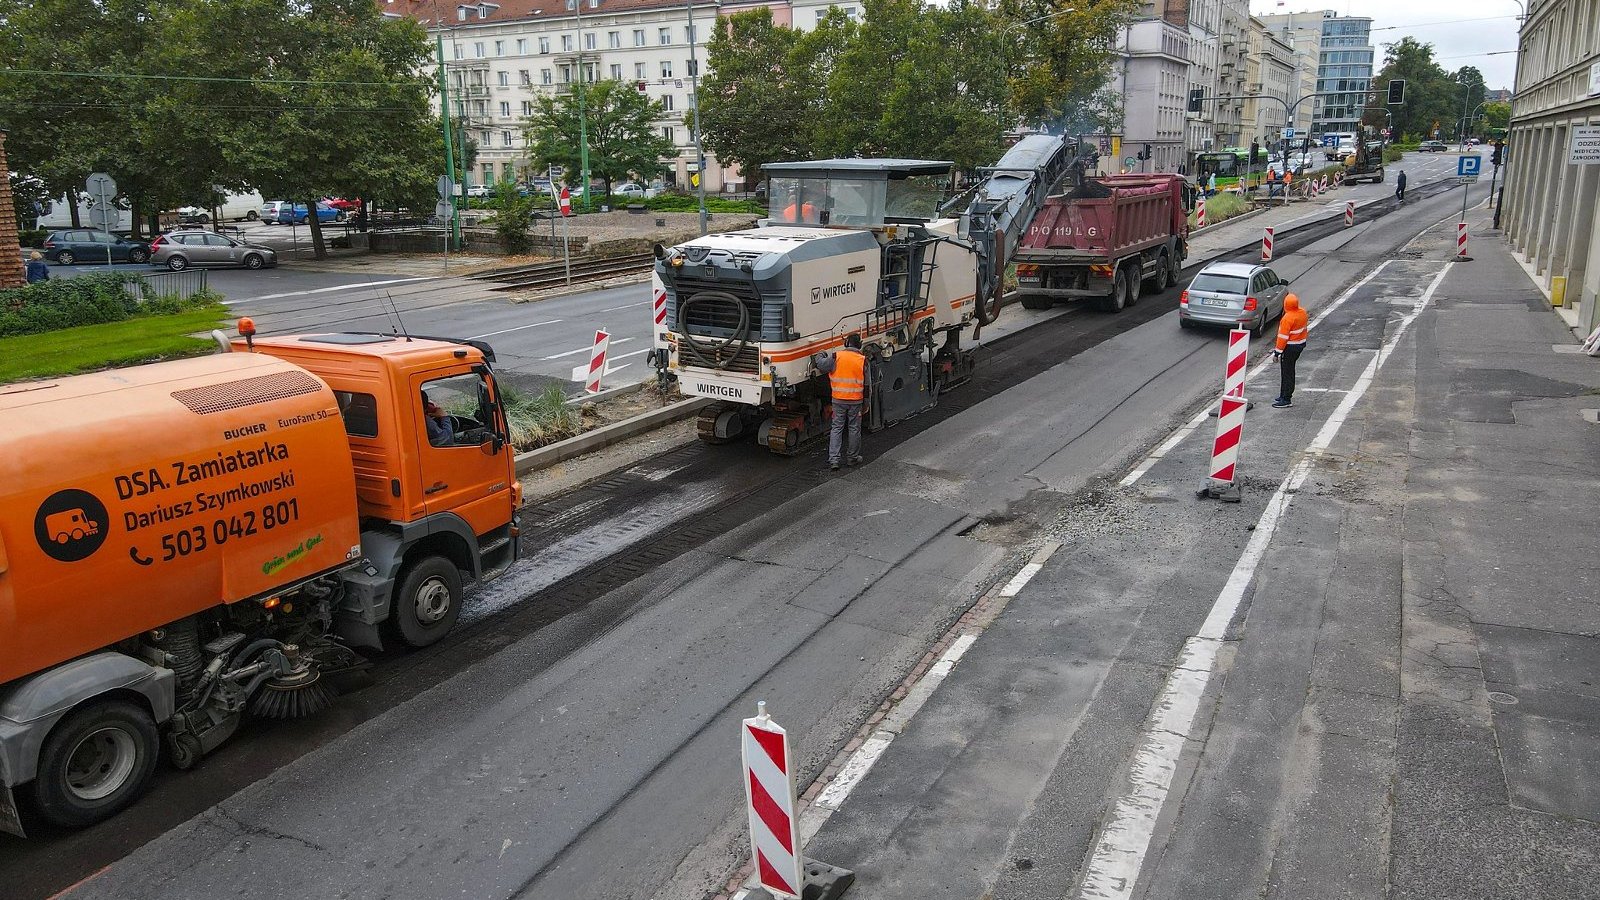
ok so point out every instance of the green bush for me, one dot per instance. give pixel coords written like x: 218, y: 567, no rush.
x: 32, y: 237
x: 1391, y: 154
x: 512, y: 220
x: 539, y: 419
x: 1220, y: 206
x: 87, y: 300
x: 691, y: 203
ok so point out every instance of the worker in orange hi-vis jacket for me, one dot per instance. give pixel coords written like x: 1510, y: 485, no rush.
x: 1292, y: 331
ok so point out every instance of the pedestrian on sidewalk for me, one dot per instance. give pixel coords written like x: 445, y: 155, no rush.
x: 37, y: 271
x: 1293, y: 328
x: 1272, y: 182
x: 847, y: 380
x: 1211, y: 185
x: 1400, y: 187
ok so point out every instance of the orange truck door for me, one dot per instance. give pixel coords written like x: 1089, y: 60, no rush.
x: 462, y: 470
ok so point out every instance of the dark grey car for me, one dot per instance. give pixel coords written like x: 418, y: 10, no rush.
x: 179, y: 250
x: 1236, y: 295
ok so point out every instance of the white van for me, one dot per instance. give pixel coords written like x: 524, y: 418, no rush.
x: 1342, y: 145
x: 235, y: 207
x: 57, y: 214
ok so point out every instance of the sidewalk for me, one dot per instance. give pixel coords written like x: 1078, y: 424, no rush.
x: 1378, y: 676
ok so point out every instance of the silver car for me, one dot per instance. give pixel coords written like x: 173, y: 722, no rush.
x: 1238, y: 295
x: 178, y: 250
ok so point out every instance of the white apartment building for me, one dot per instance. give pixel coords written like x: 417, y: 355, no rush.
x: 498, y: 57
x: 1152, y: 80
x: 1271, y: 71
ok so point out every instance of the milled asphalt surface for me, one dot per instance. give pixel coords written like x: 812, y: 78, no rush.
x: 608, y: 771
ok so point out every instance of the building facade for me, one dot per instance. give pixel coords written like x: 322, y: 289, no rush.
x: 1550, y: 194
x: 1271, y: 71
x: 1344, y: 61
x: 1152, y: 80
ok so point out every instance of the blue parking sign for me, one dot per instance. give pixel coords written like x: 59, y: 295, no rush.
x: 1469, y: 165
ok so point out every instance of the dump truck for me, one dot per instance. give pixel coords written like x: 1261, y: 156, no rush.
x: 1107, y: 239
x: 189, y: 543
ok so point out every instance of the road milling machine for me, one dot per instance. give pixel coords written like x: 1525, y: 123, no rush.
x: 873, y: 247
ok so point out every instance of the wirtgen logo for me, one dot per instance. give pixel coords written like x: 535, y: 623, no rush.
x: 835, y: 290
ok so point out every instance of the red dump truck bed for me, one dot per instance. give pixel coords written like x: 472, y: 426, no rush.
x: 1142, y: 212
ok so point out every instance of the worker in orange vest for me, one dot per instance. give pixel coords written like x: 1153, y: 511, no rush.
x: 1292, y: 331
x: 847, y: 379
x: 807, y: 210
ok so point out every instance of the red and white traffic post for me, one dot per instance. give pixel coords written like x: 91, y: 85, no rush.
x: 565, y: 200
x: 773, y: 814
x: 1200, y: 214
x: 1349, y: 213
x: 1461, y: 241
x: 1266, y: 245
x: 1220, y: 481
x: 590, y: 374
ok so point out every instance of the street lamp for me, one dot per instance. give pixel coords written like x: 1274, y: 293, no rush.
x: 694, y: 90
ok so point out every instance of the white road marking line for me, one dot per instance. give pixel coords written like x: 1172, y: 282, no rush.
x: 587, y: 349
x: 509, y: 330
x: 337, y: 287
x: 1020, y: 580
x: 629, y: 306
x: 626, y: 355
x: 1114, y: 868
x: 1178, y: 436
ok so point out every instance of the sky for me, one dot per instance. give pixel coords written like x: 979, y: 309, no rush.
x: 1456, y: 44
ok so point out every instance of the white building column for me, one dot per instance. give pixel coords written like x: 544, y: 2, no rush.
x: 1555, y: 197
x: 1527, y: 242
x: 1580, y: 232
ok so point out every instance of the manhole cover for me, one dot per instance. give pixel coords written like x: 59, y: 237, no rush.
x: 1502, y: 698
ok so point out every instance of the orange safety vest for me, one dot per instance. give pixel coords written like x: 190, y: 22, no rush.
x: 1294, y: 327
x: 1288, y: 176
x: 808, y: 212
x: 848, y: 380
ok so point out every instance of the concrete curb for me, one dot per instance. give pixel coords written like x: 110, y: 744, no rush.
x: 619, y: 281
x: 1229, y: 221
x: 606, y: 435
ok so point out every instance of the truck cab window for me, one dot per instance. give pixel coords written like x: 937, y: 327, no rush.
x: 360, y: 412
x: 455, y: 412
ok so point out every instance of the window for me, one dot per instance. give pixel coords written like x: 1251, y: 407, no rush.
x: 666, y: 68
x: 480, y: 108
x: 639, y: 71
x: 522, y: 77
x: 613, y: 39
x: 638, y: 37
x: 691, y: 67
x: 616, y: 71
x: 488, y: 138
x: 688, y: 33
x: 458, y: 51
x: 566, y: 43
x: 505, y: 107
x: 360, y: 412
x: 477, y: 50
x: 566, y: 74
x: 527, y: 107
x: 544, y: 45
x: 588, y: 41
x: 505, y: 139
x: 666, y: 132
x: 664, y: 37
x: 499, y: 48
x: 666, y: 102
x: 522, y: 46
x: 504, y: 78
x: 544, y: 76
x: 454, y: 406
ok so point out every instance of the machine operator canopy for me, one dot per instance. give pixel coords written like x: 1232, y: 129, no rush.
x: 857, y: 192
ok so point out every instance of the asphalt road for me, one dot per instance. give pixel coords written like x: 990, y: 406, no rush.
x: 573, y: 739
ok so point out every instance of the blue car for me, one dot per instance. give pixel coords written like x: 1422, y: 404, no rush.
x: 299, y: 214
x: 91, y: 245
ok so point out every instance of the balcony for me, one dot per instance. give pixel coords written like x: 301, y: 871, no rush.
x: 472, y: 89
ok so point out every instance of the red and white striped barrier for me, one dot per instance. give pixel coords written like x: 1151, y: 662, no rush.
x: 1200, y: 214
x: 1266, y: 245
x: 590, y: 374
x: 659, y: 307
x: 1349, y: 213
x: 1238, y: 352
x: 769, y: 792
x: 1461, y: 240
x: 1225, y: 448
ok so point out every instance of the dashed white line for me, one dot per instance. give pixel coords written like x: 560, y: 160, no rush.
x: 587, y: 349
x: 629, y: 306
x: 326, y: 290
x: 1114, y: 868
x: 509, y: 330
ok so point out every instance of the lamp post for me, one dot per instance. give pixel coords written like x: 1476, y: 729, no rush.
x: 449, y: 153
x: 694, y: 90
x: 583, y: 117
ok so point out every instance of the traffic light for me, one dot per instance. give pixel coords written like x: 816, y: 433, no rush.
x: 1196, y: 97
x: 1147, y: 154
x: 1255, y: 152
x: 1397, y: 91
x: 1498, y: 155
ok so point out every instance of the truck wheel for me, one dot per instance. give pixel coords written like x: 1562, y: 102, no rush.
x: 1029, y: 301
x: 1134, y: 283
x: 95, y: 762
x: 428, y: 603
x: 1163, y: 276
x: 1119, y: 293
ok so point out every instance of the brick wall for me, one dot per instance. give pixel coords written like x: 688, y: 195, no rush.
x: 10, y: 259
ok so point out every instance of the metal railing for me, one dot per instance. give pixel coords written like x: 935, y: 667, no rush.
x: 181, y: 285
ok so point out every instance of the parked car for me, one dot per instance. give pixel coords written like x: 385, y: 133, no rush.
x: 246, y: 206
x: 1432, y: 147
x: 178, y: 250
x: 480, y: 191
x: 282, y: 212
x: 89, y: 245
x: 343, y: 205
x: 1237, y: 295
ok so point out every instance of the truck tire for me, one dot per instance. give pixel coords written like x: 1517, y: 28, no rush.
x: 1119, y: 293
x: 1162, y: 279
x: 1134, y: 281
x: 1030, y: 301
x: 428, y: 602
x: 95, y: 762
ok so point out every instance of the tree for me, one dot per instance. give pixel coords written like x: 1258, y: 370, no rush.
x: 1496, y: 117
x: 512, y: 219
x: 1059, y: 66
x: 622, y: 134
x: 750, y: 98
x: 1431, y: 94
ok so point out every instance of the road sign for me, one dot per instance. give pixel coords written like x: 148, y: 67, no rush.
x: 1471, y: 164
x: 102, y: 189
x: 1330, y: 140
x: 445, y: 187
x: 443, y: 209
x: 1288, y: 134
x: 1467, y: 179
x: 1585, y: 147
x: 566, y: 201
x: 101, y: 184
x: 1130, y: 162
